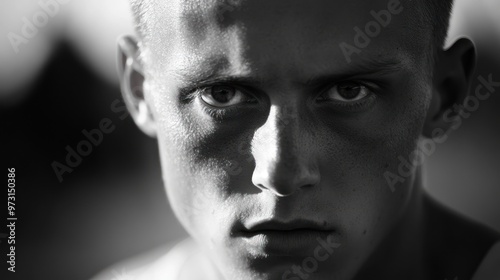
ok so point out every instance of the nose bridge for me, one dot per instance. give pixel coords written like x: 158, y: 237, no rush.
x: 284, y: 154
x: 284, y: 129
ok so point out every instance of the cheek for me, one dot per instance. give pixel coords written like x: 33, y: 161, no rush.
x: 197, y: 165
x: 364, y: 164
x: 366, y: 206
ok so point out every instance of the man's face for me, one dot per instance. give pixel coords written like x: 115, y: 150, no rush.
x: 272, y: 143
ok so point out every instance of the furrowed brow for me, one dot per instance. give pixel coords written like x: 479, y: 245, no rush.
x: 213, y: 72
x: 367, y: 67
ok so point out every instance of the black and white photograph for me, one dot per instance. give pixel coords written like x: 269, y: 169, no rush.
x: 250, y: 139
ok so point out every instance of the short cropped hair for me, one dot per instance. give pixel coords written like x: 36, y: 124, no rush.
x: 436, y: 15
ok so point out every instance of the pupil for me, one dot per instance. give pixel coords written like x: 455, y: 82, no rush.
x: 349, y: 91
x: 222, y: 94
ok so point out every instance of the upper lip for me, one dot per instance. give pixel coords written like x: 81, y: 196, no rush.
x: 285, y: 226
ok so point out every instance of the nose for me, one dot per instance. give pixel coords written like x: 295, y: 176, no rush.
x: 284, y: 154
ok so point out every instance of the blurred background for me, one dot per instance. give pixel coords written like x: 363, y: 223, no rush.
x: 112, y: 206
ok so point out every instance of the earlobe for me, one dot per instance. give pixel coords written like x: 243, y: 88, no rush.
x: 133, y: 84
x: 453, y: 70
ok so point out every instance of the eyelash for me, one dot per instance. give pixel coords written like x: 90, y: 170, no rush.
x: 217, y: 113
x: 221, y: 113
x: 214, y: 112
x: 352, y: 106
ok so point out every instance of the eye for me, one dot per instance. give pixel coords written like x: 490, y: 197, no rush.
x: 347, y: 92
x: 223, y: 96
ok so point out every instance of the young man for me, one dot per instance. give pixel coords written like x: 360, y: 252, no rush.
x: 282, y: 127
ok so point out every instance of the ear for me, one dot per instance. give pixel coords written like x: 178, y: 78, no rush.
x: 453, y: 70
x: 132, y: 84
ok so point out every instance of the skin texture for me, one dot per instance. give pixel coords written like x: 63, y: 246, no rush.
x: 290, y: 150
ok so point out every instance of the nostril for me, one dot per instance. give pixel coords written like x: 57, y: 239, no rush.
x: 284, y: 180
x: 281, y: 189
x: 260, y: 186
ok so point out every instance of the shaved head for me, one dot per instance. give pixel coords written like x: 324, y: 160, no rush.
x: 436, y: 14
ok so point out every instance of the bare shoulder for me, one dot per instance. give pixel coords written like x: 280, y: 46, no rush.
x: 180, y: 261
x: 456, y: 245
x: 132, y: 268
x: 171, y: 264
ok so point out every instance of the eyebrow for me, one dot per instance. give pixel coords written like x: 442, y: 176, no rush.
x: 222, y: 79
x: 212, y: 72
x: 216, y: 75
x: 367, y: 67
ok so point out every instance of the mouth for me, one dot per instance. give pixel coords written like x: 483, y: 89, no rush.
x: 272, y: 237
x: 275, y: 225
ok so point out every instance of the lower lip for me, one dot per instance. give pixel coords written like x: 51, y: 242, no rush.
x: 285, y: 242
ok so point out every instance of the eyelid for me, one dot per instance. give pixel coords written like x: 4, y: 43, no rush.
x: 353, y: 106
x: 371, y: 86
x: 368, y: 84
x: 196, y: 91
x: 246, y: 100
x: 239, y: 82
x: 193, y: 91
x: 221, y: 112
x: 207, y: 93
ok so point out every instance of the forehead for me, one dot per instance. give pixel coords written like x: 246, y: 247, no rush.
x: 274, y: 37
